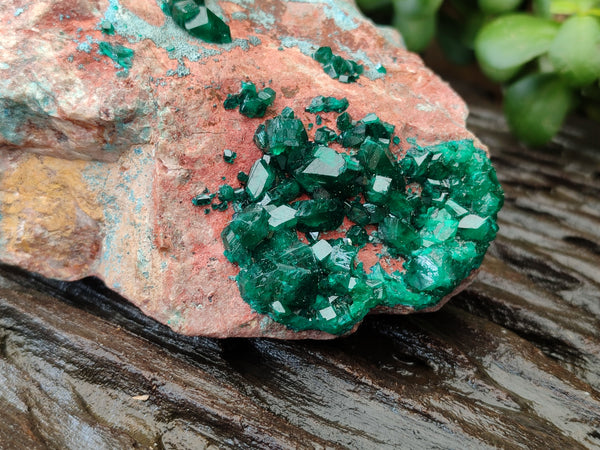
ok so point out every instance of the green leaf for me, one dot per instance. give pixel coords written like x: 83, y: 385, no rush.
x: 536, y: 106
x: 498, y: 6
x: 416, y: 31
x: 575, y: 51
x: 505, y: 44
x: 568, y: 7
x: 416, y: 8
x: 542, y: 8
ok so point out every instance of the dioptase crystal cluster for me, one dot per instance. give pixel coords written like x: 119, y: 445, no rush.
x: 199, y: 21
x: 338, y: 68
x: 435, y: 210
x: 252, y: 103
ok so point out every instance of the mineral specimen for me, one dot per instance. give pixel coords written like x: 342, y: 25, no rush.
x: 428, y: 211
x: 97, y: 171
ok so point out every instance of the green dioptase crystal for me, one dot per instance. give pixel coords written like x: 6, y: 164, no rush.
x: 323, y: 170
x: 123, y: 56
x: 199, y: 21
x: 400, y: 234
x: 324, y: 135
x: 319, y: 214
x: 358, y: 235
x: 378, y: 189
x: 327, y: 104
x: 323, y: 55
x: 282, y: 217
x: 377, y: 158
x: 337, y: 67
x: 344, y: 122
x: 202, y: 199
x: 321, y: 249
x: 107, y: 27
x: 229, y: 156
x: 260, y: 180
x: 251, y: 102
x: 226, y: 193
x: 284, y: 135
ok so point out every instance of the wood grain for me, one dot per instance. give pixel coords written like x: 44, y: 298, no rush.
x: 511, y: 362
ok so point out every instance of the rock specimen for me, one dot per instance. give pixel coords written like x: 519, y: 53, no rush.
x: 105, y: 139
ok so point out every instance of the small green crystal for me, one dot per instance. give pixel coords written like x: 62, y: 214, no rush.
x: 202, y: 199
x: 324, y: 135
x: 251, y: 102
x: 226, y: 193
x: 229, y: 156
x: 282, y: 217
x: 337, y: 67
x: 358, y: 235
x: 107, y: 27
x: 284, y: 135
x: 319, y: 215
x: 327, y: 104
x: 379, y: 189
x: 260, y: 180
x: 199, y: 21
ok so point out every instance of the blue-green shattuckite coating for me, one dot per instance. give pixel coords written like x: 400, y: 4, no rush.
x: 435, y: 210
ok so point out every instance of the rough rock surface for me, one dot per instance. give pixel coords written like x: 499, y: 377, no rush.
x: 98, y: 164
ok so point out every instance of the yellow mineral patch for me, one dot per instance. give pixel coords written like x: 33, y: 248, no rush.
x: 44, y: 199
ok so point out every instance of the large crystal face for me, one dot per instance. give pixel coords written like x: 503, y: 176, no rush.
x: 433, y: 212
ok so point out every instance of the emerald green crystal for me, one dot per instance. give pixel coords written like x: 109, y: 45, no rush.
x: 260, y: 180
x: 199, y: 21
x: 341, y: 258
x: 107, y: 27
x: 321, y: 249
x: 319, y: 215
x: 377, y: 158
x: 229, y: 156
x: 436, y: 209
x: 322, y: 170
x: 251, y: 102
x: 337, y: 67
x: 282, y: 217
x: 381, y: 69
x: 378, y: 189
x: 475, y: 228
x: 226, y: 193
x: 327, y: 104
x: 324, y: 135
x: 323, y: 55
x: 203, y: 199
x: 358, y: 235
x: 284, y: 135
x: 286, y: 191
x: 354, y: 136
x: 399, y: 233
x: 344, y: 122
x: 123, y: 56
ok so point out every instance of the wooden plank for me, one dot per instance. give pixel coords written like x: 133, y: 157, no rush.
x: 513, y: 361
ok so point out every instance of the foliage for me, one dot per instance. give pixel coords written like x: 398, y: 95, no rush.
x: 546, y: 53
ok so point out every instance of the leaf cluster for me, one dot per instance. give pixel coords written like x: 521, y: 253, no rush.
x: 546, y: 53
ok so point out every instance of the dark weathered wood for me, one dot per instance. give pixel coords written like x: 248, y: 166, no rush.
x: 513, y: 361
